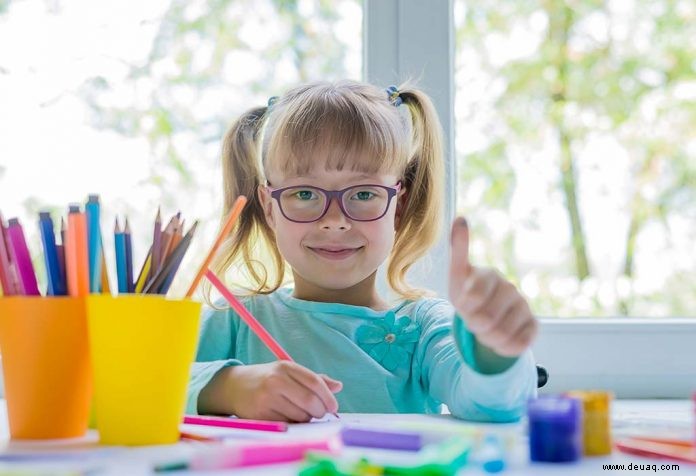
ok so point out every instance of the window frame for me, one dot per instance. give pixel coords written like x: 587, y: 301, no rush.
x: 633, y: 357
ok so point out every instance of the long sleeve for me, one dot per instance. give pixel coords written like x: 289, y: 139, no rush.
x: 216, y: 350
x: 448, y: 371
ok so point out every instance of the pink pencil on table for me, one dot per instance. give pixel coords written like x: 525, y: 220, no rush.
x: 240, y: 423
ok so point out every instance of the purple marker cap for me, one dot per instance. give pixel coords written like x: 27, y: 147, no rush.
x: 381, y: 439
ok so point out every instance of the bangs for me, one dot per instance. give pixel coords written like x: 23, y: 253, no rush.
x: 339, y: 128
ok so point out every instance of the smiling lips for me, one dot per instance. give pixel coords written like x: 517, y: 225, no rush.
x: 335, y: 252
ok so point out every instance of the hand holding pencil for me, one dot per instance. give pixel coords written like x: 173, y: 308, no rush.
x: 281, y: 390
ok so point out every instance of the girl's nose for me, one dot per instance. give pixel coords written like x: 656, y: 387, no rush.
x: 334, y: 219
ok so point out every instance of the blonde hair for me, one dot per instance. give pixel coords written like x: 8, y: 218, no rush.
x: 347, y: 123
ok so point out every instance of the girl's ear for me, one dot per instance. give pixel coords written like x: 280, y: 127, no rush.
x: 266, y: 202
x: 401, y: 200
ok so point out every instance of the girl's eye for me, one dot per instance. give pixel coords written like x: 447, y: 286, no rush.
x: 304, y: 194
x: 364, y: 195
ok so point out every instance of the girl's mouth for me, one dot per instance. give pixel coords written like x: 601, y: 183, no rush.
x: 335, y: 254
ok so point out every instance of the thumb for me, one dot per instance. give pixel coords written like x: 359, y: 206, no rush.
x: 460, y: 268
x: 334, y: 385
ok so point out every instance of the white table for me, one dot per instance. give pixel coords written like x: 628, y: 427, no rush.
x: 669, y: 418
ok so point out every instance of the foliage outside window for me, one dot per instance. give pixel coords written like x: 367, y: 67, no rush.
x: 576, y: 144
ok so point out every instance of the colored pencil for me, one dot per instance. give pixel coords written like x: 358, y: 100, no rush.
x: 120, y: 249
x: 170, y: 245
x: 48, y: 239
x: 6, y: 279
x: 22, y: 259
x: 240, y: 423
x: 178, y: 258
x: 76, y: 253
x: 236, y: 210
x: 178, y: 234
x: 144, y: 272
x: 183, y: 435
x: 105, y: 285
x: 247, y: 317
x: 156, y: 245
x: 654, y: 449
x: 93, y: 213
x: 61, y: 254
x: 166, y: 240
x: 129, y: 257
x: 155, y: 286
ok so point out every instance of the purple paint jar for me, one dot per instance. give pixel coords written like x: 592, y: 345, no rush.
x: 555, y: 429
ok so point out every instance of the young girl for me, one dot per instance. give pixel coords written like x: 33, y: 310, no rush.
x: 341, y: 177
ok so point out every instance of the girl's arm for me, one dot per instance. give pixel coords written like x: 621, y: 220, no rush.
x: 475, y: 383
x: 216, y: 351
x: 279, y: 390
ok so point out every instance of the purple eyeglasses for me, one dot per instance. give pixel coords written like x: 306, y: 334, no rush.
x: 306, y: 204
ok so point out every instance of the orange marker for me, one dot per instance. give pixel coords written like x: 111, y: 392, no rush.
x: 236, y: 210
x: 77, y: 258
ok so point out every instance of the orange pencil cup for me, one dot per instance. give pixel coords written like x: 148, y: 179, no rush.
x: 46, y: 365
x: 142, y: 350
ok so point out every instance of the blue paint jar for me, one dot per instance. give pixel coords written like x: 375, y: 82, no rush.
x: 555, y: 429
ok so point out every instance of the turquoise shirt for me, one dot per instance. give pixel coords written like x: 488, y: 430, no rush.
x: 410, y: 359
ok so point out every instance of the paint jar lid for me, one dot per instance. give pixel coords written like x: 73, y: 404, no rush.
x: 593, y: 400
x: 555, y: 409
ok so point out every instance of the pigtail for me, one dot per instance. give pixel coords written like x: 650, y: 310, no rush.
x: 419, y: 226
x: 241, y: 171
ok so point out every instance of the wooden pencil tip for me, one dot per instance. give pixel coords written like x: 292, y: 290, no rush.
x: 116, y: 227
x: 126, y: 229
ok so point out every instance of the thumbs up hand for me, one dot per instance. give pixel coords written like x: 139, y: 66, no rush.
x: 491, y: 307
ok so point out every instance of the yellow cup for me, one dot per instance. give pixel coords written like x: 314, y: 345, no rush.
x: 142, y: 349
x: 45, y: 361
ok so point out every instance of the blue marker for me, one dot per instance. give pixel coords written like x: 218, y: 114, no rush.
x: 94, y: 246
x: 120, y: 245
x: 56, y: 286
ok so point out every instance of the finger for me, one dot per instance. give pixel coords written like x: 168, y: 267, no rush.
x: 304, y: 398
x: 460, y: 267
x: 291, y: 411
x: 274, y: 415
x: 317, y: 386
x: 521, y: 339
x: 503, y: 298
x: 335, y: 386
x: 507, y: 327
x: 478, y: 290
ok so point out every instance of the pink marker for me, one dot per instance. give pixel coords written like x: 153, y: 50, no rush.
x: 20, y: 256
x: 227, y: 422
x: 226, y: 457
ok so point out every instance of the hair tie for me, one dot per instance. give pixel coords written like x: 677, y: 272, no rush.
x: 272, y: 100
x: 393, y: 94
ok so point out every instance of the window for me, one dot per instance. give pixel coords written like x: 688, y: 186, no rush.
x: 132, y: 103
x: 576, y: 138
x: 635, y: 358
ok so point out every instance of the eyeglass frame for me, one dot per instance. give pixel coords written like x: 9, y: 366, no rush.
x: 335, y: 194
